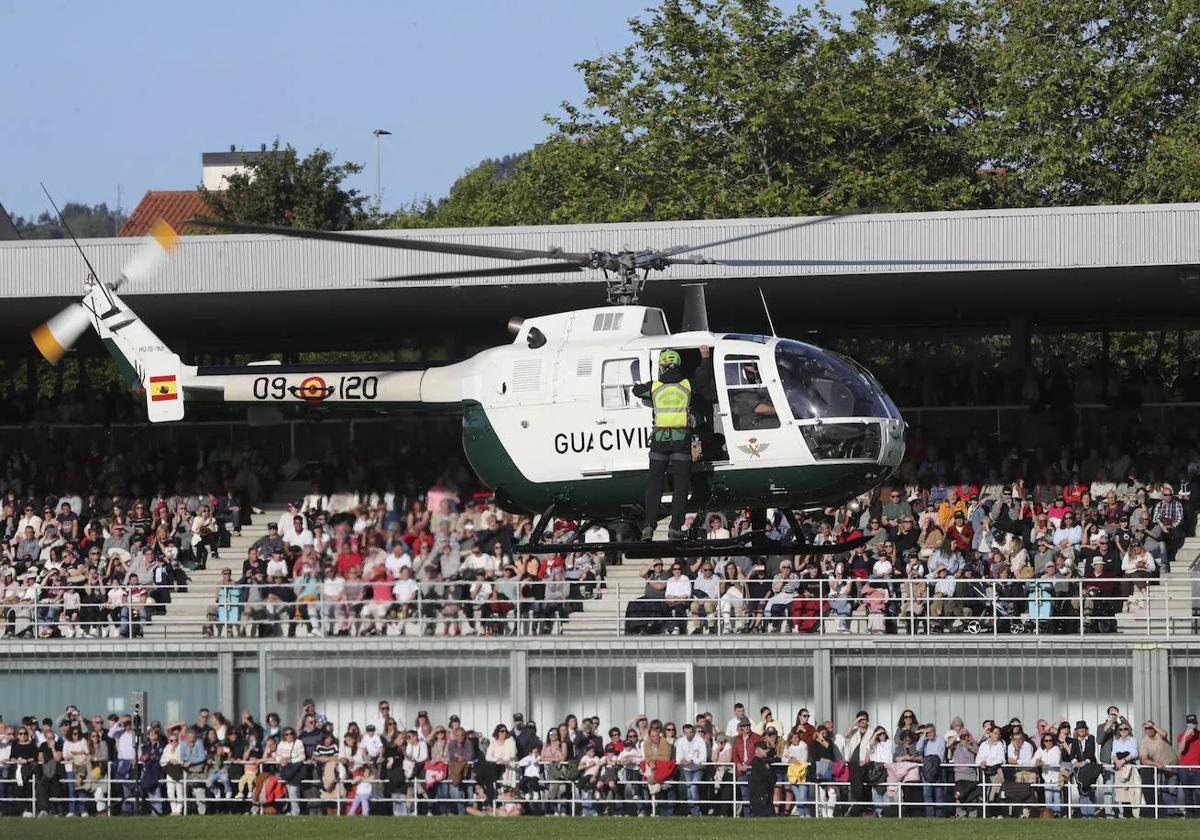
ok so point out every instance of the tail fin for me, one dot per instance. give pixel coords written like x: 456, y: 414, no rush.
x: 141, y: 356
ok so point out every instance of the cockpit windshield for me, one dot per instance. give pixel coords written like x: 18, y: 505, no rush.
x: 821, y: 384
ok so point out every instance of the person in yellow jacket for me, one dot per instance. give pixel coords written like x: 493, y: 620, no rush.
x: 950, y: 506
x: 670, y: 395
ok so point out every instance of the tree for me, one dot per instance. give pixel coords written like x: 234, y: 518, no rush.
x: 727, y: 108
x: 87, y: 222
x: 281, y: 188
x: 1091, y: 101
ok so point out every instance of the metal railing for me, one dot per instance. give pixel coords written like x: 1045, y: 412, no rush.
x: 720, y: 788
x: 983, y: 607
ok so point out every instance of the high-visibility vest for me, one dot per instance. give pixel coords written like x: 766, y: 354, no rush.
x: 670, y: 401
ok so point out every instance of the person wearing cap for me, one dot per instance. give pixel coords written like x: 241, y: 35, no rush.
x: 270, y: 542
x: 960, y: 532
x: 1102, y: 598
x: 670, y: 398
x: 1188, y: 745
x: 760, y: 778
x: 1084, y: 758
x: 371, y: 743
x: 1157, y: 758
x: 743, y: 752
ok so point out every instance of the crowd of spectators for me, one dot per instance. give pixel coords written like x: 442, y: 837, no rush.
x: 967, y: 534
x: 343, y: 565
x: 1058, y: 556
x: 102, y: 540
x: 96, y: 539
x: 752, y: 766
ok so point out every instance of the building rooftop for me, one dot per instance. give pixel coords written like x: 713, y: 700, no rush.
x: 173, y: 206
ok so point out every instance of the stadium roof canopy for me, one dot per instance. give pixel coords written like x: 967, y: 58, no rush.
x: 1091, y: 267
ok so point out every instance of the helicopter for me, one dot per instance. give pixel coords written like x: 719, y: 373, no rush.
x: 549, y: 421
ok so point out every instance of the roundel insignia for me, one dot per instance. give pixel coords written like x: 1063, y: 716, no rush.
x: 314, y: 390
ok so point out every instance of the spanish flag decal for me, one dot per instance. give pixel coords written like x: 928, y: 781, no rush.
x: 163, y: 388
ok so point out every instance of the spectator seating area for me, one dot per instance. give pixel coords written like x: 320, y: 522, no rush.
x: 1091, y: 538
x: 752, y: 764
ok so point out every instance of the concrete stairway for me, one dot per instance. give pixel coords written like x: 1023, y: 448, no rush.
x: 606, y: 614
x: 186, y: 615
x: 1170, y: 602
x: 623, y: 582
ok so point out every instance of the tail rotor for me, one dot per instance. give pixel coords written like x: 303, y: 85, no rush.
x: 55, y: 337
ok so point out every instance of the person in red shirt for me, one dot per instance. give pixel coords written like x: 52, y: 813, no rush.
x: 960, y: 531
x: 804, y: 727
x: 416, y: 537
x: 1188, y: 743
x: 615, y: 740
x: 743, y: 754
x: 349, y: 558
x: 379, y: 600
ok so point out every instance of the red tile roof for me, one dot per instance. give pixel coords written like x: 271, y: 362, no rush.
x: 175, y: 206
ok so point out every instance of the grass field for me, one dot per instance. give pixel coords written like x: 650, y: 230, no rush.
x: 485, y: 828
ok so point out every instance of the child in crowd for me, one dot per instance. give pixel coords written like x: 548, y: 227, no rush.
x: 531, y: 772
x: 364, y: 792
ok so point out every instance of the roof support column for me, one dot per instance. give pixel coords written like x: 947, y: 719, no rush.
x: 822, y: 664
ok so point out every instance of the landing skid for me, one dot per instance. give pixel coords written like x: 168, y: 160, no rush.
x: 746, y: 545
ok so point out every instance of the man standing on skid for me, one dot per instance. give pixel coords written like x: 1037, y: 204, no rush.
x: 671, y: 398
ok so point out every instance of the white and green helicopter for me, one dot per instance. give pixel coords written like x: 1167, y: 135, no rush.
x: 549, y: 421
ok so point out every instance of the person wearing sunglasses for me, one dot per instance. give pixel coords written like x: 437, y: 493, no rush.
x: 1126, y: 782
x: 1048, y: 759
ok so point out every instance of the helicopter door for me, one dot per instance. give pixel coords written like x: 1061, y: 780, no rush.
x: 748, y: 416
x: 623, y: 419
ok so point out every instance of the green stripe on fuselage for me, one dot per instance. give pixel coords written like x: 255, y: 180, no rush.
x: 123, y: 364
x: 622, y: 493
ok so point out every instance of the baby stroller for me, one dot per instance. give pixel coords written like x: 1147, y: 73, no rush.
x: 1041, y: 606
x: 999, y: 617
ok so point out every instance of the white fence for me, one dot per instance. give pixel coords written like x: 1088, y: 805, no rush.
x: 1010, y: 608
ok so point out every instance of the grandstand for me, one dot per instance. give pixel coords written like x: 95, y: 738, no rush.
x: 1012, y: 628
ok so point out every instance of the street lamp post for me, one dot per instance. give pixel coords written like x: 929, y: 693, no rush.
x: 379, y: 132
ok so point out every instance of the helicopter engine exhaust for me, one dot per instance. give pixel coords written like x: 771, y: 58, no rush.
x: 514, y: 324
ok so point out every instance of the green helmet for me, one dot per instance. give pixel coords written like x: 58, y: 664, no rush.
x: 668, y: 358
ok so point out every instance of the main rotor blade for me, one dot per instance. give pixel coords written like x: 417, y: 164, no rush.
x: 684, y: 249
x: 406, y: 243
x: 503, y: 271
x: 705, y: 261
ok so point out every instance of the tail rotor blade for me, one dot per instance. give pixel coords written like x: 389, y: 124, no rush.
x: 55, y: 337
x: 151, y: 256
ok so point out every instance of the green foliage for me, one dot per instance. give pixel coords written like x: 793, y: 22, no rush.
x: 281, y: 188
x: 1091, y: 101
x: 729, y: 108
x: 87, y: 222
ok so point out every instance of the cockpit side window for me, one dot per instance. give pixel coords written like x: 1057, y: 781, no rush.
x: 750, y: 403
x: 819, y: 384
x: 617, y: 378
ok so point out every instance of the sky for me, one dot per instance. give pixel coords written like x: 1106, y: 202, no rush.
x: 131, y: 93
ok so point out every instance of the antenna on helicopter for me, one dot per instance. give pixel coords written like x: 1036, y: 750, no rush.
x: 767, y: 310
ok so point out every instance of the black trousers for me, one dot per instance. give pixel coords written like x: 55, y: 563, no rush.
x: 681, y: 485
